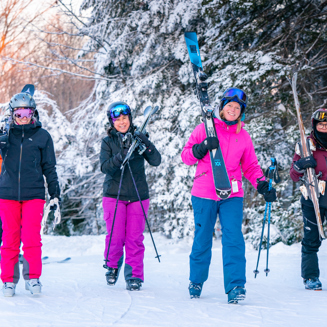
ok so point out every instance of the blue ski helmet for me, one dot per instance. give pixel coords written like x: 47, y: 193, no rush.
x: 116, y: 109
x: 234, y: 94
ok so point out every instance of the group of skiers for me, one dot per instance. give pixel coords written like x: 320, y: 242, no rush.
x: 28, y: 155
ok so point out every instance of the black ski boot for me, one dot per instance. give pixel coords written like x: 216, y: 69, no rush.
x: 112, y: 276
x: 133, y: 284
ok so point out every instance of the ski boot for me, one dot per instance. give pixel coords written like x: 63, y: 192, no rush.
x: 33, y: 285
x: 112, y: 276
x: 313, y: 284
x: 236, y: 294
x: 195, y: 290
x: 8, y: 289
x: 133, y: 284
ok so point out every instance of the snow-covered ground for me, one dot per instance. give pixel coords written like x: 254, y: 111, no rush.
x: 75, y: 293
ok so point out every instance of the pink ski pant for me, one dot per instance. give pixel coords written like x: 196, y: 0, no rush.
x: 128, y: 230
x: 21, y: 222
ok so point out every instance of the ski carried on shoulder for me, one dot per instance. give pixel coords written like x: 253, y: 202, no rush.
x: 136, y: 143
x: 310, y: 179
x: 46, y: 261
x: 219, y: 172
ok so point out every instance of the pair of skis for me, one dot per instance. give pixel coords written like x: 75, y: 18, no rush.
x: 310, y: 180
x: 219, y: 172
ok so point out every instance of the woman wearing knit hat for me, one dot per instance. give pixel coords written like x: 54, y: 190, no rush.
x: 238, y: 152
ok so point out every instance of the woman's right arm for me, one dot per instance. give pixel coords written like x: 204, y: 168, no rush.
x: 107, y: 162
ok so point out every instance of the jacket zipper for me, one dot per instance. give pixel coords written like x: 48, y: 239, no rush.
x: 20, y: 162
x: 198, y: 176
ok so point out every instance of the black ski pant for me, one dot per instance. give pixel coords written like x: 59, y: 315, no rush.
x: 310, y: 242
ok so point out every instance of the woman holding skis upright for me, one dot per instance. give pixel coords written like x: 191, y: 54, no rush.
x: 128, y: 226
x: 28, y: 154
x: 239, y: 155
x: 311, y: 240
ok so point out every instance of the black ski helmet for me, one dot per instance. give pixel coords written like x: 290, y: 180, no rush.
x: 318, y: 116
x: 121, y: 108
x: 234, y: 94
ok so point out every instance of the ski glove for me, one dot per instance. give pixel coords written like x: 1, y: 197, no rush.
x: 302, y: 164
x: 263, y: 188
x: 200, y: 150
x: 141, y: 137
x: 120, y: 156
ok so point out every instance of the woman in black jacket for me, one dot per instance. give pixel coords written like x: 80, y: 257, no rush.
x: 28, y: 155
x: 130, y: 221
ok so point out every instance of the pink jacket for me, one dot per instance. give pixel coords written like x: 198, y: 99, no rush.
x: 238, y: 153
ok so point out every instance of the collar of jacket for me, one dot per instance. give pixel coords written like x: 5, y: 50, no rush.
x: 27, y: 127
x: 223, y: 125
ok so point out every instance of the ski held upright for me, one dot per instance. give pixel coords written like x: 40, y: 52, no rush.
x: 219, y: 172
x: 310, y: 179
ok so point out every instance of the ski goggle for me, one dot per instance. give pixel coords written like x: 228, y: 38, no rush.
x: 24, y: 112
x: 120, y: 109
x: 320, y: 115
x: 234, y: 92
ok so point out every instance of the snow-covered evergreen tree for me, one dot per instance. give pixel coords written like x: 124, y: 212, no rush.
x: 141, y: 58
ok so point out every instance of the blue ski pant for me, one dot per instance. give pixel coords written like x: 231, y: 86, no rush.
x: 233, y: 246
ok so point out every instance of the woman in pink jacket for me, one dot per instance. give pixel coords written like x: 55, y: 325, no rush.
x: 238, y: 152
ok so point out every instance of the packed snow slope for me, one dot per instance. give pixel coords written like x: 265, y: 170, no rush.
x: 76, y: 294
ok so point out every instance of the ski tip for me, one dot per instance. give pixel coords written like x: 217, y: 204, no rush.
x: 29, y: 88
x: 155, y: 109
x: 147, y: 110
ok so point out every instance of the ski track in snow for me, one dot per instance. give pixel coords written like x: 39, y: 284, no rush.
x: 76, y: 294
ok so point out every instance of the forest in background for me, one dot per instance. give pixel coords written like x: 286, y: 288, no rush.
x: 82, y: 59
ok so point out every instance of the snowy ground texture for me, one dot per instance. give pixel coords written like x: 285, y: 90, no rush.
x: 75, y: 293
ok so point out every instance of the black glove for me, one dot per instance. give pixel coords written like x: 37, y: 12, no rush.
x: 302, y: 164
x: 142, y: 138
x: 4, y: 141
x: 200, y: 150
x: 263, y: 188
x: 119, y: 157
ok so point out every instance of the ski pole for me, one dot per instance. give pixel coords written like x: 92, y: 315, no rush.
x: 272, y: 174
x: 256, y: 271
x: 113, y: 221
x: 268, y: 236
x: 138, y: 195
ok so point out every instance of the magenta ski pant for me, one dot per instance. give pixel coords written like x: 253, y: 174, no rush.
x: 21, y: 222
x: 127, y: 231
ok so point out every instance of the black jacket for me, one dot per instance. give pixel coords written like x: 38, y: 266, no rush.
x: 27, y: 156
x: 111, y: 146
